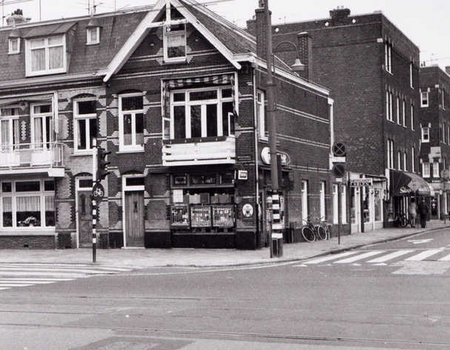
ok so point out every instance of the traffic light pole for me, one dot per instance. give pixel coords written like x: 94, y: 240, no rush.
x: 94, y: 202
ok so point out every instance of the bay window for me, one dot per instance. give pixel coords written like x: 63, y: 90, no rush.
x: 197, y: 113
x: 46, y: 55
x: 85, y: 124
x: 26, y: 204
x: 131, y: 122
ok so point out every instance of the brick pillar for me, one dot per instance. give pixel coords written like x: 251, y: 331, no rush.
x: 260, y: 33
x: 304, y: 45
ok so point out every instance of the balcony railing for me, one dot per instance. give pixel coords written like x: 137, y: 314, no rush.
x: 31, y: 156
x: 202, y: 151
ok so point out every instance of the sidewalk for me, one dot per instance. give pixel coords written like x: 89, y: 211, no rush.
x: 184, y: 257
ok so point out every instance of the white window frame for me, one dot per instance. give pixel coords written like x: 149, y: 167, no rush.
x: 426, y: 169
x: 133, y: 147
x: 12, y: 122
x: 323, y: 212
x: 388, y: 55
x: 11, y: 50
x: 425, y: 134
x: 14, y: 195
x: 261, y: 113
x: 45, y: 143
x: 389, y: 111
x: 405, y: 161
x: 443, y: 98
x: 412, y: 116
x: 424, y: 99
x: 187, y: 104
x: 404, y: 112
x: 436, y: 170
x: 89, y: 32
x: 398, y: 110
x: 399, y: 160
x: 76, y: 118
x: 390, y: 153
x: 46, y: 47
x: 413, y: 156
x: 411, y: 66
x: 304, y: 192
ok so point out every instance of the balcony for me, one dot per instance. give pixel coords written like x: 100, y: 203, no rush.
x: 201, y: 151
x: 29, y: 158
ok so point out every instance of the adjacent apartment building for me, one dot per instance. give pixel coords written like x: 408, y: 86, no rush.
x: 435, y: 135
x: 177, y: 94
x: 372, y: 70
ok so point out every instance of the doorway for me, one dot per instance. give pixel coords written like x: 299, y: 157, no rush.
x: 84, y: 212
x: 134, y: 218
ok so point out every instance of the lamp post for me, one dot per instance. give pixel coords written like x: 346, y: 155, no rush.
x: 276, y: 232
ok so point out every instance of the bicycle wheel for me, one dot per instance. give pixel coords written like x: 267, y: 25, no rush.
x: 308, y: 234
x: 403, y: 221
x: 321, y: 232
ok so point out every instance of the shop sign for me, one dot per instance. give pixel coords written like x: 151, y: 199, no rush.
x: 265, y: 156
x: 242, y: 174
x: 361, y: 182
x: 247, y: 210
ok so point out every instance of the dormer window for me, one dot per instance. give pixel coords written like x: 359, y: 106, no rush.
x: 93, y: 35
x: 13, y: 46
x: 46, y: 55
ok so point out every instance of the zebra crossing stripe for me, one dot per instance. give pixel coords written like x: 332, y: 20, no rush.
x: 390, y: 256
x: 66, y: 267
x: 15, y: 285
x: 445, y: 258
x: 68, y: 270
x: 424, y: 255
x: 328, y: 258
x: 359, y: 257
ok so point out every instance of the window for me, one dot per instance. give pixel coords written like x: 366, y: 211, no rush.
x: 398, y: 110
x: 9, y: 128
x: 413, y: 158
x: 405, y: 161
x: 443, y: 98
x: 378, y: 203
x: 389, y: 115
x: 41, y: 125
x: 323, y: 214
x: 425, y: 134
x: 93, y: 35
x: 206, y: 112
x: 436, y: 170
x: 388, y: 55
x: 131, y: 122
x: 85, y: 124
x: 443, y: 134
x: 404, y: 112
x: 46, y: 55
x: 26, y: 204
x: 335, y: 204
x: 390, y: 154
x: 412, y: 116
x: 399, y: 160
x: 426, y: 169
x: 175, y: 42
x: 344, y: 203
x: 424, y: 99
x: 304, y: 200
x: 13, y: 45
x: 411, y: 68
x: 261, y: 114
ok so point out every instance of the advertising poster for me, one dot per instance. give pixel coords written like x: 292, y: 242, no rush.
x: 200, y: 216
x: 223, y: 216
x: 180, y: 216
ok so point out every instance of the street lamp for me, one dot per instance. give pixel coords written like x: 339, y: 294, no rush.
x: 297, y: 66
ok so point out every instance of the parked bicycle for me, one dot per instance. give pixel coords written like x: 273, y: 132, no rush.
x: 401, y: 220
x: 314, y: 232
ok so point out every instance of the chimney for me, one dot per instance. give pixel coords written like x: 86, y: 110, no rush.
x: 16, y: 18
x: 304, y: 44
x: 260, y: 30
x: 339, y: 15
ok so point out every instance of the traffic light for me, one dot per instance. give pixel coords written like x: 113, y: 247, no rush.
x: 102, y: 163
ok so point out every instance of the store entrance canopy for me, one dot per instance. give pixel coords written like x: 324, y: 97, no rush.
x: 403, y: 183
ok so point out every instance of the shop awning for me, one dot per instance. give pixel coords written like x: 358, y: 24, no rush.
x: 403, y: 183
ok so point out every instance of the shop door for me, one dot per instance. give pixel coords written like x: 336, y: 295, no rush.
x: 134, y: 218
x: 84, y: 219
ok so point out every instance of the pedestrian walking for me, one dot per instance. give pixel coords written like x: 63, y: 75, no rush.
x: 412, y: 210
x: 423, y: 211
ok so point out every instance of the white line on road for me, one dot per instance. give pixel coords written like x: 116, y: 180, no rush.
x: 390, y: 256
x: 359, y: 257
x: 329, y: 257
x: 445, y: 258
x: 424, y: 255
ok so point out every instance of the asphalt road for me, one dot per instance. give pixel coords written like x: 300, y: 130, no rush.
x: 387, y: 296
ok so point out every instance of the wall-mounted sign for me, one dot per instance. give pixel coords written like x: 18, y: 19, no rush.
x: 361, y: 182
x: 265, y: 156
x: 247, y: 210
x: 242, y: 174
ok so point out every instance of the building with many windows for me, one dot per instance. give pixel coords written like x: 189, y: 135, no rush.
x: 372, y: 70
x: 435, y: 135
x: 178, y: 95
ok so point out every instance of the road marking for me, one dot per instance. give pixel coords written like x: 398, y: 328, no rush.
x: 445, y: 258
x: 390, y: 256
x: 359, y: 257
x: 329, y: 257
x: 420, y: 241
x: 424, y: 255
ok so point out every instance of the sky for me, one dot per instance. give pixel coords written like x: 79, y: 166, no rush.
x: 425, y: 23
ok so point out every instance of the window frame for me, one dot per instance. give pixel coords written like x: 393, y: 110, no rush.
x: 89, y: 40
x: 412, y: 115
x: 166, y: 38
x: 133, y: 147
x: 304, y: 200
x: 388, y: 55
x: 13, y: 125
x: 426, y: 171
x: 33, y: 116
x: 187, y: 103
x: 436, y: 170
x: 413, y: 156
x: 424, y: 99
x: 425, y: 135
x: 76, y: 118
x: 46, y: 47
x: 323, y: 193
x: 11, y: 51
x: 261, y: 114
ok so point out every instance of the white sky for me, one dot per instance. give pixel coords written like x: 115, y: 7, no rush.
x: 426, y: 24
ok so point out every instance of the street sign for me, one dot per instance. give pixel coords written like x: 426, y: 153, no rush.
x: 98, y: 192
x: 338, y: 170
x: 339, y: 149
x: 361, y: 182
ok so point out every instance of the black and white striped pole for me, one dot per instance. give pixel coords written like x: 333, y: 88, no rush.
x: 94, y: 201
